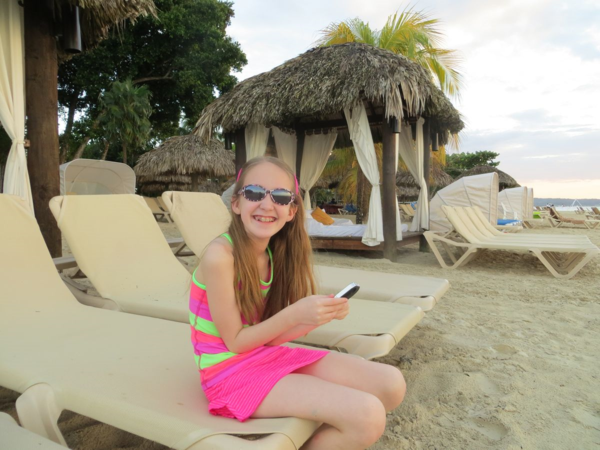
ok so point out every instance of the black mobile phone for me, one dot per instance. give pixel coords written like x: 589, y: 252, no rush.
x: 348, y: 291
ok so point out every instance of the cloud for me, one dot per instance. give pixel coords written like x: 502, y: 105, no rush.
x: 531, y: 70
x: 542, y: 156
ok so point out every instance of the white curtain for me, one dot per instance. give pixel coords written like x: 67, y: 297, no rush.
x: 286, y: 145
x: 360, y: 133
x: 12, y: 98
x: 257, y: 137
x: 412, y: 155
x: 317, y: 148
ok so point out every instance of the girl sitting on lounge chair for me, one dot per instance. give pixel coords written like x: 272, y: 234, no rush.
x: 252, y: 293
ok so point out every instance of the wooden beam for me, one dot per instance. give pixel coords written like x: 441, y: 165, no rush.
x: 337, y: 123
x: 388, y: 189
x: 239, y: 137
x: 423, y: 246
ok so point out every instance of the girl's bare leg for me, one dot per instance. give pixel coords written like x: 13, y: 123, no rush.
x: 353, y: 419
x: 382, y: 380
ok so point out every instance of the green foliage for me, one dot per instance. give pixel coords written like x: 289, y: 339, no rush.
x: 459, y: 162
x: 124, y: 116
x: 410, y: 33
x: 184, y: 56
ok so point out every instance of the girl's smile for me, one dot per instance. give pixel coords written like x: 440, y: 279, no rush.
x: 263, y: 219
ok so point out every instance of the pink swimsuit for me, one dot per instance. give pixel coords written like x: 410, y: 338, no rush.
x: 236, y: 384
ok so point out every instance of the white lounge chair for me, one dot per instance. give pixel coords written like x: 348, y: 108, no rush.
x: 561, y: 257
x: 131, y: 372
x: 121, y: 249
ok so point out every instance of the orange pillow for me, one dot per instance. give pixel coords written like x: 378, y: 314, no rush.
x: 321, y: 216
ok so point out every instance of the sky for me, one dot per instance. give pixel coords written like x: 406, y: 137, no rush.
x: 531, y: 71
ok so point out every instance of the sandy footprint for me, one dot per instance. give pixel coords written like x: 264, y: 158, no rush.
x: 491, y: 428
x: 505, y: 349
x: 586, y: 418
x: 486, y: 385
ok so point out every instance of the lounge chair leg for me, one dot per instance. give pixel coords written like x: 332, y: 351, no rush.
x: 570, y: 267
x: 469, y: 254
x: 38, y: 412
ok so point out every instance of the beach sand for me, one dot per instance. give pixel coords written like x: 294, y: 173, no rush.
x: 508, y: 359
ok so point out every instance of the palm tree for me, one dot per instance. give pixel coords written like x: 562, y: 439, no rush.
x: 124, y: 116
x: 410, y: 33
x: 414, y: 35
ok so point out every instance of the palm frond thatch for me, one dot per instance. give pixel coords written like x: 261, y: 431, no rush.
x: 317, y: 85
x: 186, y: 155
x: 437, y: 178
x: 504, y: 179
x: 97, y: 16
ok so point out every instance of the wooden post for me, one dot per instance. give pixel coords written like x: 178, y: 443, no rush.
x: 239, y: 137
x: 41, y: 76
x: 300, y: 137
x: 423, y: 246
x: 388, y: 189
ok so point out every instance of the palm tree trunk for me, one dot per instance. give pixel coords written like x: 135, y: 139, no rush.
x: 363, y: 193
x: 41, y: 67
x: 106, y: 145
x: 81, y: 148
x: 65, y: 139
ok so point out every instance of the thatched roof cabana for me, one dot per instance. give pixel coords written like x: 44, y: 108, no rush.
x: 504, y: 179
x: 437, y: 178
x: 407, y: 186
x: 312, y: 89
x: 314, y: 95
x: 183, y: 159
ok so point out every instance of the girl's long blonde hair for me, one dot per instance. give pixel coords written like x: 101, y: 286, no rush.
x: 292, y: 258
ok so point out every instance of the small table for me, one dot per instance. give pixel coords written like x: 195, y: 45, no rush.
x: 332, y: 209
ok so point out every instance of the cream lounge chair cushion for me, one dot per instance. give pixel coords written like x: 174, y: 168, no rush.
x: 132, y: 372
x: 140, y: 273
x: 478, y: 219
x: 122, y: 250
x: 423, y: 292
x: 189, y: 211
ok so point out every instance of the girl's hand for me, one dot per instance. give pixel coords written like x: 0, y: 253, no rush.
x: 317, y: 310
x: 343, y: 312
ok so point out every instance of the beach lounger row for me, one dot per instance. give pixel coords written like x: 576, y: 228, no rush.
x: 563, y: 256
x: 132, y: 372
x: 190, y: 210
x: 120, y: 248
x: 557, y: 220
